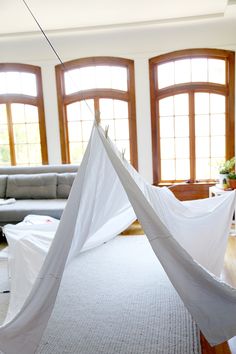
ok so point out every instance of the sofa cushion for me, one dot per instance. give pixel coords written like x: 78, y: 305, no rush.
x: 64, y: 183
x: 13, y: 213
x: 3, y: 184
x: 40, y: 186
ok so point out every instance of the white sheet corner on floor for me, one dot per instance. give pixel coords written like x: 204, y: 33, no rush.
x: 108, y: 194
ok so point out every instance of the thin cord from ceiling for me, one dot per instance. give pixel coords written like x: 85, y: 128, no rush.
x: 47, y: 39
x: 97, y: 115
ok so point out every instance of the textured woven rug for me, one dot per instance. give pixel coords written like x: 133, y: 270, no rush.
x: 116, y: 299
x: 4, y: 283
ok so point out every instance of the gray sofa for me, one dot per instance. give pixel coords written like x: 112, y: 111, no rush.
x: 41, y: 190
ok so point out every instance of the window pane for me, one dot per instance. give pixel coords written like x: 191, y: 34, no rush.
x: 3, y: 114
x: 182, y: 169
x: 166, y: 106
x: 83, y: 110
x: 122, y: 129
x: 22, y: 156
x: 165, y: 75
x: 202, y: 103
x: 217, y: 103
x: 106, y: 108
x: 87, y: 109
x: 182, y: 148
x: 74, y: 131
x: 100, y: 76
x: 167, y: 127
x: 33, y: 133
x: 19, y: 83
x: 199, y: 69
x: 168, y: 169
x: 28, y: 84
x: 20, y: 135
x: 202, y: 125
x: 31, y: 114
x: 26, y: 134
x: 181, y: 104
x: 18, y: 113
x: 203, y: 170
x: 217, y: 146
x: 3, y: 83
x: 181, y: 126
x: 202, y: 147
x: 120, y: 109
x: 87, y: 78
x: 5, y: 155
x: 167, y: 148
x: 86, y: 129
x: 182, y: 71
x: 22, y: 113
x: 119, y: 125
x: 103, y: 76
x: 217, y: 124
x: 4, y: 137
x: 76, y: 152
x: 34, y: 154
x: 119, y: 78
x: 217, y: 71
x: 13, y: 82
x: 72, y: 81
x: 73, y: 111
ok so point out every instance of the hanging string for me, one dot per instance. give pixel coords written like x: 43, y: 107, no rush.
x: 106, y: 131
x: 123, y: 154
x: 54, y: 50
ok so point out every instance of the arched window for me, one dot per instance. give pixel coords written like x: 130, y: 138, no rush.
x: 22, y: 124
x: 192, y: 114
x: 88, y: 85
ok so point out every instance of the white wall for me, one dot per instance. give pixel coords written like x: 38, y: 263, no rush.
x: 138, y: 44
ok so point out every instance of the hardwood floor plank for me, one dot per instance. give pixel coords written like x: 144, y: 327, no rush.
x: 218, y: 349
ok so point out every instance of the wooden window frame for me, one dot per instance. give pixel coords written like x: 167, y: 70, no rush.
x: 65, y: 99
x: 228, y: 90
x: 37, y: 101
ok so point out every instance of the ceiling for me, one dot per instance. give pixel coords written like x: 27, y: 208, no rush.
x: 61, y: 15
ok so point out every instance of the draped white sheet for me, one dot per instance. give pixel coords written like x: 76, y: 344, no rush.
x: 183, y: 236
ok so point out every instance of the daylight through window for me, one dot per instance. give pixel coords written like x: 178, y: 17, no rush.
x: 22, y: 127
x: 86, y: 86
x: 192, y: 114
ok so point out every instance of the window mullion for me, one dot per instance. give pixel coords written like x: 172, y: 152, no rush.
x: 192, y: 137
x: 96, y: 105
x: 11, y: 134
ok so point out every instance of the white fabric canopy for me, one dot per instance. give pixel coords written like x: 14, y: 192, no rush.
x: 188, y: 238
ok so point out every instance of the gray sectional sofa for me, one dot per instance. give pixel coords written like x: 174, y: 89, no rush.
x: 41, y: 190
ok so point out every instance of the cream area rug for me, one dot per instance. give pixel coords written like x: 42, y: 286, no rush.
x: 117, y: 299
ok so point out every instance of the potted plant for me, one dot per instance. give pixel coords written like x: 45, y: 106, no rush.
x: 232, y: 180
x: 225, y: 169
